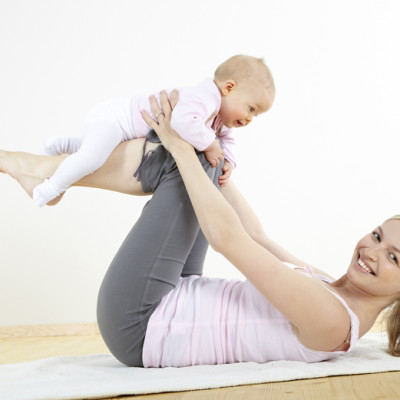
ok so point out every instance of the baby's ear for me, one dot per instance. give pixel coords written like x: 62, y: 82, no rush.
x: 228, y: 87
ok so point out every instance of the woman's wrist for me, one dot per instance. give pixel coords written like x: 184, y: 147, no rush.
x: 181, y: 149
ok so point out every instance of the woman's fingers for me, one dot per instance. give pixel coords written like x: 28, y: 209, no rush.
x: 154, y: 105
x: 156, y: 111
x: 150, y: 121
x: 166, y: 107
x: 160, y: 121
x: 174, y: 98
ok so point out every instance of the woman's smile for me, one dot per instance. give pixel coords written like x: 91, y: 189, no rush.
x: 363, y: 266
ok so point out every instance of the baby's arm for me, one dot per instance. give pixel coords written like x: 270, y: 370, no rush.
x: 228, y: 144
x: 189, y: 119
x: 226, y: 173
x: 196, y: 107
x: 214, y: 153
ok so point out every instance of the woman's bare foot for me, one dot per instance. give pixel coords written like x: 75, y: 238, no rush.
x: 27, y: 169
x: 56, y: 200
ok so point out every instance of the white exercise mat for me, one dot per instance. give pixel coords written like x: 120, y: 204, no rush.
x: 101, y: 375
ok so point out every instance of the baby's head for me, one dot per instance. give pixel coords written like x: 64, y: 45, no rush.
x: 247, y: 89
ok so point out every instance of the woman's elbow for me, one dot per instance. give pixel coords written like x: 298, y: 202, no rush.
x: 220, y: 239
x: 258, y: 235
x: 216, y: 239
x: 221, y: 232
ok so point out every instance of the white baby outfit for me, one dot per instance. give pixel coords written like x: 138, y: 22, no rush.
x: 219, y: 321
x: 195, y: 118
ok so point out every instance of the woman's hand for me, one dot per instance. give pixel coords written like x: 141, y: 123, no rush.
x: 169, y: 138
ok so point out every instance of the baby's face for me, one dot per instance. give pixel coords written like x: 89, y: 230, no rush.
x: 242, y: 104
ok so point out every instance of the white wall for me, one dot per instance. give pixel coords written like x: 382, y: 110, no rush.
x: 321, y: 168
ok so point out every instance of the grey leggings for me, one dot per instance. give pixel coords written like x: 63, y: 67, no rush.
x: 165, y: 243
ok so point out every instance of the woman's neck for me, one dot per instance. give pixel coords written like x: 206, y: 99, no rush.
x: 366, y: 306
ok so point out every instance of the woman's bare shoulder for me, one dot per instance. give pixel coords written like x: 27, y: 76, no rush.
x: 315, y: 270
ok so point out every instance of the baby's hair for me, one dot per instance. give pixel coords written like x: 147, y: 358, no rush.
x: 242, y: 68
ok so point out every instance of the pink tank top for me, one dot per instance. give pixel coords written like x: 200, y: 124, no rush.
x: 218, y: 321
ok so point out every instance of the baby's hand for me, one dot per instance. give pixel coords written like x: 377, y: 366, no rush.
x: 214, y: 154
x: 227, y: 171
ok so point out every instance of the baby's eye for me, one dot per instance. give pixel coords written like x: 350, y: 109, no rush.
x: 376, y: 236
x: 252, y: 109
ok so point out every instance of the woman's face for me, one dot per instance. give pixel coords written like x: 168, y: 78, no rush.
x: 375, y: 266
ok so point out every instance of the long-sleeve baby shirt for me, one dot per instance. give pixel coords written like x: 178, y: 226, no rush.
x: 193, y: 117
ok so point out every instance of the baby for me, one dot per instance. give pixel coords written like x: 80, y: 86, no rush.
x: 242, y: 88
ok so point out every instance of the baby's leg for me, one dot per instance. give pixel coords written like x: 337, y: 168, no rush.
x: 101, y: 138
x: 116, y: 174
x: 56, y: 145
x: 27, y: 169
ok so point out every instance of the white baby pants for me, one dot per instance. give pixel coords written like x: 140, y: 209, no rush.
x: 106, y: 126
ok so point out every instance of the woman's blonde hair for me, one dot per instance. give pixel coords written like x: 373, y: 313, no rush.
x: 393, y: 321
x: 392, y: 318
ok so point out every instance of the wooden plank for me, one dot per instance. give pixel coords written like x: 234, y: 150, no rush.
x: 76, y: 329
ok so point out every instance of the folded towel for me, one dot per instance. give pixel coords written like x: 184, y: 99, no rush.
x: 101, y: 375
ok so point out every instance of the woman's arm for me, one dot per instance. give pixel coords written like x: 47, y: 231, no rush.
x: 322, y: 326
x: 252, y: 225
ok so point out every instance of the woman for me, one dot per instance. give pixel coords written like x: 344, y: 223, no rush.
x: 149, y: 316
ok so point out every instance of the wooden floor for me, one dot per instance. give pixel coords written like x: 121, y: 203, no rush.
x: 370, y: 386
